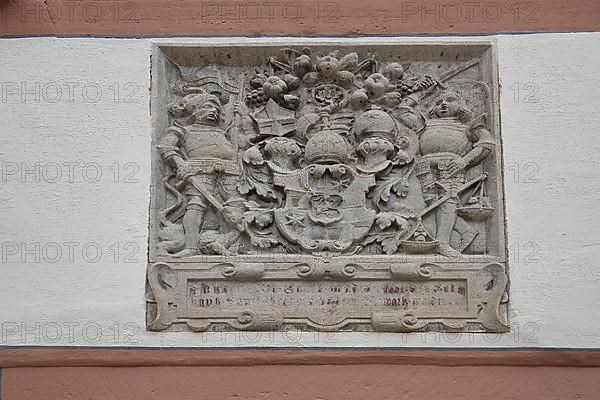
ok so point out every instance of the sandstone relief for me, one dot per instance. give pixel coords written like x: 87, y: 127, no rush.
x: 336, y: 188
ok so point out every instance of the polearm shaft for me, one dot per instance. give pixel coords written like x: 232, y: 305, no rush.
x: 449, y: 75
x: 457, y: 70
x: 235, y: 135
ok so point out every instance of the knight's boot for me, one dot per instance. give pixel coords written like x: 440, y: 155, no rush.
x: 446, y: 250
x: 467, y: 233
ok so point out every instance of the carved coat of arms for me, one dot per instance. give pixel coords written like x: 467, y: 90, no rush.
x: 325, y: 207
x: 328, y: 154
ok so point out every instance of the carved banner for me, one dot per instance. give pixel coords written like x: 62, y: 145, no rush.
x: 326, y: 187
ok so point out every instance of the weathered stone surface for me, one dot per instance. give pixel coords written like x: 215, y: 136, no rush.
x: 328, y: 188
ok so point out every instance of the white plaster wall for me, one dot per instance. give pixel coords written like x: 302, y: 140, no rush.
x: 552, y: 184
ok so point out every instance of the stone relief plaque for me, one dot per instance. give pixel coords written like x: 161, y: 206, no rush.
x: 326, y: 187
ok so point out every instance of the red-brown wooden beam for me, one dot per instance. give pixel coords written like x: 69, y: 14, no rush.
x: 123, y: 18
x: 107, y: 357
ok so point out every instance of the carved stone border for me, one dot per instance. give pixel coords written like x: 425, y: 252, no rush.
x: 168, y: 304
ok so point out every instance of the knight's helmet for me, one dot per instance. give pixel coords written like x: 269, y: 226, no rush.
x: 375, y: 123
x: 328, y: 145
x: 195, y: 100
x: 375, y: 132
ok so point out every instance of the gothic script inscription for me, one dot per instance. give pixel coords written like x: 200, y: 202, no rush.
x: 322, y: 187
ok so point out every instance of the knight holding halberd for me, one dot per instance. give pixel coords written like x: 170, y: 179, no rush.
x: 451, y: 143
x: 204, y: 161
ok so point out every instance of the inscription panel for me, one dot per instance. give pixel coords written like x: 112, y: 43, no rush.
x: 328, y: 298
x: 329, y: 187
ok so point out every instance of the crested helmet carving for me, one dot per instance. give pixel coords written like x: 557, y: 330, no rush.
x: 375, y: 123
x: 327, y: 147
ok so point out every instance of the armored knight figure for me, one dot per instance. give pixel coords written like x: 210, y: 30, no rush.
x: 204, y: 160
x: 450, y: 144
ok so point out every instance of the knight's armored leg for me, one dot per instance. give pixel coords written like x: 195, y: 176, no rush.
x: 192, y: 222
x: 444, y: 219
x: 467, y: 233
x: 227, y: 187
x: 427, y: 179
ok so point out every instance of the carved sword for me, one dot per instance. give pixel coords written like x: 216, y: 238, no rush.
x: 444, y: 198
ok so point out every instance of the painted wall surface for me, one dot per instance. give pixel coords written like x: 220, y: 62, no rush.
x: 75, y: 166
